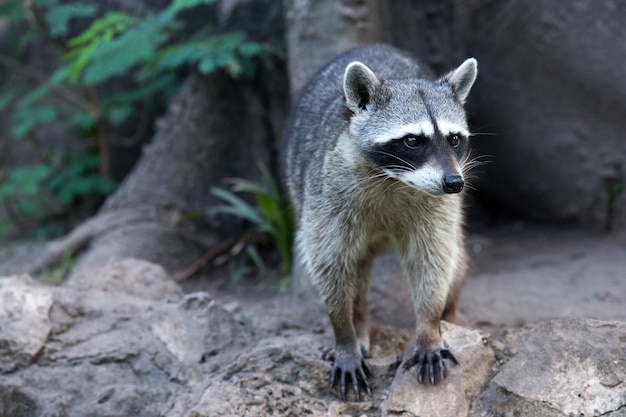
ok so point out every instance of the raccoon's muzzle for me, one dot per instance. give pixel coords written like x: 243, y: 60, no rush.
x: 453, y: 184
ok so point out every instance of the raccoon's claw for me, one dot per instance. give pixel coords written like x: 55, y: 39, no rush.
x: 430, y: 364
x: 351, y: 370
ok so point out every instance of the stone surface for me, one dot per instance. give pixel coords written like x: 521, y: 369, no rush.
x: 124, y: 340
x: 550, y: 89
x: 560, y: 368
x: 575, y: 366
x: 453, y: 396
x: 116, y: 341
x: 24, y: 321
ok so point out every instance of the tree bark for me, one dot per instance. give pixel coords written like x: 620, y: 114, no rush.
x: 317, y: 30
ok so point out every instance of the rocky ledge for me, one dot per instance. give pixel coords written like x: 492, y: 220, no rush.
x: 125, y: 340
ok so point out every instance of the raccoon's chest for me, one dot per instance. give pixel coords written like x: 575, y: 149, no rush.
x: 387, y: 215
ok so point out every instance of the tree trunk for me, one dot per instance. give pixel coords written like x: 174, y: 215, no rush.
x: 317, y: 30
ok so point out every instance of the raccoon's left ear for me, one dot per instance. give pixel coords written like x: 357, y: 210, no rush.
x: 359, y: 84
x: 462, y: 79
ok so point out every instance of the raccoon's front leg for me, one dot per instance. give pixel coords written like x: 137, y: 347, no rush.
x: 361, y: 316
x: 340, y: 289
x: 431, y: 282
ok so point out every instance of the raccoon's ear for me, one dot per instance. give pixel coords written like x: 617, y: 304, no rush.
x: 463, y: 78
x: 359, y: 84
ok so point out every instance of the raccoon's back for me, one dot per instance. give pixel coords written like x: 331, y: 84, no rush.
x: 320, y: 116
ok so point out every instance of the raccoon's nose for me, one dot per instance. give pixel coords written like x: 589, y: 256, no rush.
x: 453, y: 184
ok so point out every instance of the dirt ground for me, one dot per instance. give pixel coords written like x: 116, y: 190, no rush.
x: 521, y: 274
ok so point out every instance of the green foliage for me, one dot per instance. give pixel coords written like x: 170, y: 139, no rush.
x: 271, y: 215
x: 151, y: 49
x: 118, y: 43
x: 24, y: 180
x: 58, y: 17
x: 78, y: 178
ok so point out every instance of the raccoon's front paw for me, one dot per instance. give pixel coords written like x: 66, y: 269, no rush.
x: 350, y: 368
x: 430, y: 365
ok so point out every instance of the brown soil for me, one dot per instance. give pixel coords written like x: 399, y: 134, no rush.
x: 520, y: 274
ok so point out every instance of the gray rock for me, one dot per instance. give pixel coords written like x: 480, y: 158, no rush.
x: 562, y: 368
x: 550, y: 87
x: 135, y: 279
x: 280, y: 376
x: 453, y: 396
x: 125, y: 341
x: 116, y: 341
x: 195, y: 328
x: 24, y: 322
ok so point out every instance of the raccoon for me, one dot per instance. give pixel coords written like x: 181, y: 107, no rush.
x: 376, y: 153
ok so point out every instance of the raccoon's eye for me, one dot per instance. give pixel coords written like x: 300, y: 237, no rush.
x: 454, y: 140
x: 413, y: 141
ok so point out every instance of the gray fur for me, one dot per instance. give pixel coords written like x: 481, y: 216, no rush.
x: 463, y: 78
x: 359, y: 86
x: 349, y: 207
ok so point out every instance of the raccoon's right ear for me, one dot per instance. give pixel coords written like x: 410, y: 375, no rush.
x: 359, y: 84
x: 462, y: 79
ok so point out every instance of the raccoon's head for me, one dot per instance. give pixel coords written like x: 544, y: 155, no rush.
x: 414, y: 130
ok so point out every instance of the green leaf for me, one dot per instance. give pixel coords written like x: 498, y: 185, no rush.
x: 13, y: 10
x: 250, y: 49
x: 179, y: 5
x: 36, y: 94
x: 239, y: 207
x: 59, y: 16
x: 119, y: 55
x: 79, y: 178
x: 160, y: 84
x: 85, y: 46
x: 26, y: 179
x: 81, y: 120
x: 111, y: 24
x: 253, y: 253
x: 118, y: 114
x: 242, y: 185
x: 179, y: 54
x: 24, y: 122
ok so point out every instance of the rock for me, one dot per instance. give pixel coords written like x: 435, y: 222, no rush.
x: 24, y: 322
x: 286, y: 376
x: 271, y: 379
x: 15, y: 403
x: 129, y: 278
x: 124, y: 340
x: 180, y: 326
x: 563, y: 368
x: 453, y: 396
x: 558, y: 156
x: 116, y: 341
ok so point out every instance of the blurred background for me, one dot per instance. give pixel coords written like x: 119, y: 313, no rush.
x: 152, y: 128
